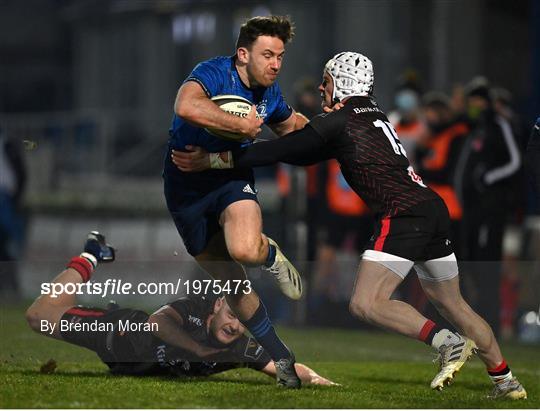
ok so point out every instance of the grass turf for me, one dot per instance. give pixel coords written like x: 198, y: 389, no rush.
x: 376, y: 370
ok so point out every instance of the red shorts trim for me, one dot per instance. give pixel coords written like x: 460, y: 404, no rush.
x: 385, y: 229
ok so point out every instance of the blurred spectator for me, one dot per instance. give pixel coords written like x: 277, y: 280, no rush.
x: 510, y: 279
x: 458, y: 103
x: 437, y: 157
x: 308, y: 102
x: 504, y: 106
x: 12, y: 183
x: 533, y: 164
x: 345, y: 224
x: 307, y: 97
x: 406, y: 118
x: 502, y: 103
x: 487, y: 168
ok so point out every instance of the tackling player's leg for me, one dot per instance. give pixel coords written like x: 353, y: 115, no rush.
x: 447, y: 298
x: 48, y: 309
x: 371, y: 302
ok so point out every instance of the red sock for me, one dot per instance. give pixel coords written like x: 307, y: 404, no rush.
x: 426, y: 334
x: 82, y: 266
x: 500, y: 373
x: 499, y: 369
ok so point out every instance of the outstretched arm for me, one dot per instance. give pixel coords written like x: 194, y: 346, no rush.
x: 301, y: 148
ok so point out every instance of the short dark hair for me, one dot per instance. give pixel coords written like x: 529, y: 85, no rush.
x: 274, y: 26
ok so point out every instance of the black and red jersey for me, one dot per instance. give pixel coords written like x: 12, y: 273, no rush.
x: 361, y: 138
x: 372, y: 159
x: 140, y: 352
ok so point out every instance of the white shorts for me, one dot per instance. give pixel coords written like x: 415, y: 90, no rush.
x: 438, y: 269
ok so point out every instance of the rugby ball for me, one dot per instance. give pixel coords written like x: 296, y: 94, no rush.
x: 235, y: 105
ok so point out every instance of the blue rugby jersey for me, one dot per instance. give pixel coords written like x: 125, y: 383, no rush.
x: 219, y: 76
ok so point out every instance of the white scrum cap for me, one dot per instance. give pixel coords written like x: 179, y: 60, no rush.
x: 352, y: 74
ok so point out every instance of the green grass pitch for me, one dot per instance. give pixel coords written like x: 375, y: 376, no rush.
x: 376, y: 370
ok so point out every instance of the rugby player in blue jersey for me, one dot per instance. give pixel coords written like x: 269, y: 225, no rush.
x: 216, y: 212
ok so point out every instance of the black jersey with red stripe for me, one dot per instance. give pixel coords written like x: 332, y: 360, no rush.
x: 140, y: 352
x: 371, y: 157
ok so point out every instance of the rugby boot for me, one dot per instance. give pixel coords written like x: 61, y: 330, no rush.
x: 286, y: 373
x: 511, y: 389
x: 451, y: 358
x: 96, y: 246
x: 286, y: 275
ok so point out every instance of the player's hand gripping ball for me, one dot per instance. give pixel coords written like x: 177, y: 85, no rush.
x: 234, y: 105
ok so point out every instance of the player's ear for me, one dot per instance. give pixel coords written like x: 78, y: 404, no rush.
x: 243, y: 55
x: 218, y: 304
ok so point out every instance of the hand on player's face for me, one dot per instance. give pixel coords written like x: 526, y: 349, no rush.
x: 335, y: 107
x: 195, y: 159
x: 264, y: 60
x: 252, y: 124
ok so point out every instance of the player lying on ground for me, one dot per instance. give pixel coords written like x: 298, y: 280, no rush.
x: 412, y: 222
x: 189, y: 337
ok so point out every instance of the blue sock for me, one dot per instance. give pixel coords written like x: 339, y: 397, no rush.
x: 271, y: 256
x: 261, y: 328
